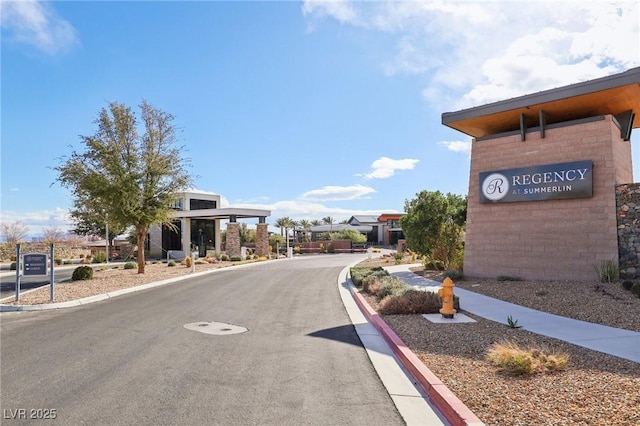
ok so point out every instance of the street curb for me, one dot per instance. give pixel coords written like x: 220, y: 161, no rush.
x: 446, y: 401
x: 105, y: 296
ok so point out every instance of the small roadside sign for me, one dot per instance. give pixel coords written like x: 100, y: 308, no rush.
x: 35, y: 264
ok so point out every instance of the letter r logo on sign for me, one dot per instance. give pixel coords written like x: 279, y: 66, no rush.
x: 495, y: 186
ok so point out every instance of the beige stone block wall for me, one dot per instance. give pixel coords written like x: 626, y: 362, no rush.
x: 232, y: 247
x: 557, y: 239
x: 262, y: 239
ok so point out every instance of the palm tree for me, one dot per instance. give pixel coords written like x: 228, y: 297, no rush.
x: 305, y: 225
x: 283, y: 223
x: 328, y: 220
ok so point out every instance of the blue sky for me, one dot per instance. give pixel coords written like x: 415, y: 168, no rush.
x: 308, y: 109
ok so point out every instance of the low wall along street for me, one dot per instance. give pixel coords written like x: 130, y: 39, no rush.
x: 628, y: 213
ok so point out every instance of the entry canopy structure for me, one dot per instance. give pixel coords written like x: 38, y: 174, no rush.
x: 226, y: 213
x: 618, y: 95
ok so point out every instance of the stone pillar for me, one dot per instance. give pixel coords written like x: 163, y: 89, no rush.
x: 262, y: 240
x: 185, y: 227
x: 233, y: 239
x: 218, y: 240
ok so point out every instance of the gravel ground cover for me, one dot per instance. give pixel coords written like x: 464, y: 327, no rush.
x: 108, y: 279
x: 595, y: 389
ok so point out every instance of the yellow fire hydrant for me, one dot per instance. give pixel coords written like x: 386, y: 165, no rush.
x: 446, y: 294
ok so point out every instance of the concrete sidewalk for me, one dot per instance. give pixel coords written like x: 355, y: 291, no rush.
x: 613, y: 341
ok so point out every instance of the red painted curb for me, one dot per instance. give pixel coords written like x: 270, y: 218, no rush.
x: 449, y: 405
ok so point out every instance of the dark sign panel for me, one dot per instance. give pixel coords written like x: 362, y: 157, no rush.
x: 35, y: 264
x: 547, y: 182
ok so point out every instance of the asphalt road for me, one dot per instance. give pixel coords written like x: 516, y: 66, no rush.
x: 129, y: 360
x: 61, y: 274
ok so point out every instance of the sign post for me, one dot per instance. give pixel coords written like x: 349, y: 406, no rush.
x: 51, y: 275
x: 18, y: 272
x: 36, y: 264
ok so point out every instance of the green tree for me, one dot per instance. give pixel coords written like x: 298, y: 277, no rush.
x: 349, y: 234
x: 94, y: 222
x: 131, y: 178
x: 246, y: 235
x: 433, y: 224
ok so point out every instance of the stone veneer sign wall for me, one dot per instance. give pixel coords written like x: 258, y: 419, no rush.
x: 628, y: 211
x: 547, y: 239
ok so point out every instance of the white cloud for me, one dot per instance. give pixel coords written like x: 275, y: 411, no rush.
x: 458, y: 146
x: 341, y: 11
x: 385, y: 167
x: 476, y: 52
x: 37, y: 24
x: 38, y: 221
x: 338, y: 193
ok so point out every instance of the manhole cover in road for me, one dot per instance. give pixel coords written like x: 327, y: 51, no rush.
x: 216, y: 328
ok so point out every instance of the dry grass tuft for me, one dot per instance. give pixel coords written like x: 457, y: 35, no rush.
x: 512, y: 359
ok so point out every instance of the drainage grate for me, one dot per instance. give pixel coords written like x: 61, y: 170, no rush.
x: 215, y: 328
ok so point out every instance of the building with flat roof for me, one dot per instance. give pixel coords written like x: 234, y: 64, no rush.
x: 197, y: 222
x: 544, y: 177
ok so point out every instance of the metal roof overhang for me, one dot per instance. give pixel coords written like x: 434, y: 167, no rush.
x: 613, y: 95
x: 225, y: 213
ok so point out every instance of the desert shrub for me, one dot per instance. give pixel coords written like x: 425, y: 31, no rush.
x: 235, y: 258
x: 171, y: 263
x: 358, y: 273
x: 129, y: 265
x: 82, y: 273
x: 409, y: 301
x: 432, y: 263
x: 13, y: 266
x: 188, y: 262
x: 371, y: 279
x: 57, y: 261
x: 224, y: 257
x: 68, y: 262
x: 635, y: 289
x: 512, y: 359
x: 99, y: 258
x: 390, y: 286
x: 607, y: 270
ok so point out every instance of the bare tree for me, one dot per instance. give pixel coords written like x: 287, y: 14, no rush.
x: 53, y: 234
x: 14, y: 232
